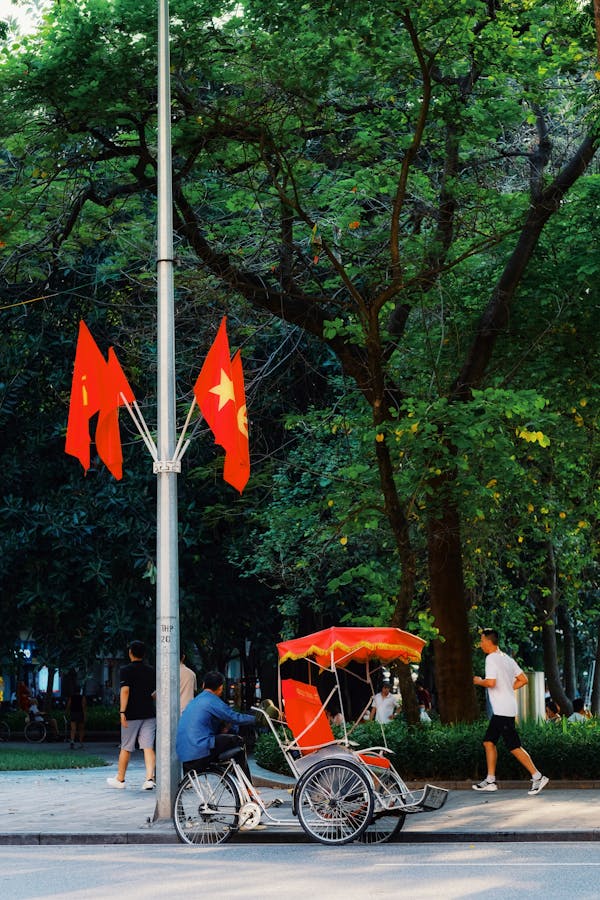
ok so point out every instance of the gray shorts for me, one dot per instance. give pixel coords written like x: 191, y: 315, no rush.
x: 142, y: 730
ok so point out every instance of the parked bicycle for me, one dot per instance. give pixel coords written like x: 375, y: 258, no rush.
x: 38, y: 729
x: 4, y: 730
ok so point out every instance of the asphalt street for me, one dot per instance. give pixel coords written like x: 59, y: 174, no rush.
x: 295, y: 872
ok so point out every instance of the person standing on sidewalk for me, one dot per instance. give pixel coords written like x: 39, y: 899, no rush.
x: 76, y: 710
x: 502, y: 678
x: 137, y: 713
x: 188, y: 684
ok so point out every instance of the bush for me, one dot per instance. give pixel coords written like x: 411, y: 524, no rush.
x: 454, y: 752
x: 99, y: 718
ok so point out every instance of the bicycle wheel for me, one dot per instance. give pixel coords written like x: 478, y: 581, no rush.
x: 206, y: 808
x: 35, y: 732
x: 383, y: 828
x: 388, y: 819
x: 334, y: 802
x: 4, y: 731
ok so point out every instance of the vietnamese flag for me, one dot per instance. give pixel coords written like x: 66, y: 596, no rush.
x: 219, y: 392
x: 214, y: 391
x: 236, y: 470
x: 86, y: 395
x: 108, y: 438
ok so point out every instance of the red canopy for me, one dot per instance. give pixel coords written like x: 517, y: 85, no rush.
x: 360, y: 644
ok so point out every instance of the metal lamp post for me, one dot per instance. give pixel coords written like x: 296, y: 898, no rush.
x: 166, y: 467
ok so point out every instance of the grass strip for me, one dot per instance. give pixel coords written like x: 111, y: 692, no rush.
x: 17, y: 760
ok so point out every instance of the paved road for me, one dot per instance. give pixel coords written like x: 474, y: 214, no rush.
x: 298, y: 872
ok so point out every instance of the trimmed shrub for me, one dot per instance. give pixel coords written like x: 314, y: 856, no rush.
x: 455, y: 752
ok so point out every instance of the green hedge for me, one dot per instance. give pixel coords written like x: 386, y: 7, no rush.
x: 454, y: 752
x: 98, y: 718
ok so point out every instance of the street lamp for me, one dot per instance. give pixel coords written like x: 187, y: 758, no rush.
x: 166, y: 467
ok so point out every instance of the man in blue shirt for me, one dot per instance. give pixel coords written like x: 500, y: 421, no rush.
x: 203, y: 734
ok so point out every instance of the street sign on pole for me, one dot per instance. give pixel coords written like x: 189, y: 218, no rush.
x: 166, y: 467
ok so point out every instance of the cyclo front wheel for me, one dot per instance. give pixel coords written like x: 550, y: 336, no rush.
x: 207, y: 807
x: 35, y: 732
x: 334, y: 801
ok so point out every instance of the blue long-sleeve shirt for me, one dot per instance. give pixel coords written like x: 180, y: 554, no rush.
x: 201, y: 721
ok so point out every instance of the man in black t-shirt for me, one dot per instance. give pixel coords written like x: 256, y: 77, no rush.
x: 138, y: 715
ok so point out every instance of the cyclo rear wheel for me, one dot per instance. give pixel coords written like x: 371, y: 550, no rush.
x: 386, y: 823
x: 207, y: 807
x: 334, y: 801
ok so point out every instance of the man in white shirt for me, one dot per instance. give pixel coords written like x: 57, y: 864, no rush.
x: 502, y: 678
x: 384, y: 705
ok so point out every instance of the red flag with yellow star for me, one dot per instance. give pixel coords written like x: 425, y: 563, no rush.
x: 236, y: 470
x: 108, y: 438
x: 86, y: 395
x: 219, y: 392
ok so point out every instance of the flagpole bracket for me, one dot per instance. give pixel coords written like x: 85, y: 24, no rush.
x: 167, y: 465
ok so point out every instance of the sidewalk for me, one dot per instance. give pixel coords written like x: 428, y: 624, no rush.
x: 75, y: 806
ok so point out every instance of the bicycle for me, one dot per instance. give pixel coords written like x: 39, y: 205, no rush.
x: 37, y: 730
x: 213, y: 803
x: 4, y: 730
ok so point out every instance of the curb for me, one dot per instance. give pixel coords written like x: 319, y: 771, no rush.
x: 278, y: 836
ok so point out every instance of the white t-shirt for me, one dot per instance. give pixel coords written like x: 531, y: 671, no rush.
x: 384, y: 707
x: 502, y: 696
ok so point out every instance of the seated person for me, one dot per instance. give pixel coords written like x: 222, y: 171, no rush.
x: 552, y: 712
x: 206, y: 728
x: 335, y: 716
x: 578, y: 714
x: 36, y: 715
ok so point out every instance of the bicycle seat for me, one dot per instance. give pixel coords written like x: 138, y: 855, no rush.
x: 230, y: 754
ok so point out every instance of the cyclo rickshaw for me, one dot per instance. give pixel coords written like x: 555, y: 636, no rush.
x: 341, y: 794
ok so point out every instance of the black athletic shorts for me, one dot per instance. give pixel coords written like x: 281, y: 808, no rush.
x: 503, y: 727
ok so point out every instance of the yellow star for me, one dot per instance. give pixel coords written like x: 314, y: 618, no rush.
x: 242, y: 420
x: 224, y: 390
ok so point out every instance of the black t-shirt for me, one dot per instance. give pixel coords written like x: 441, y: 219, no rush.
x: 141, y: 681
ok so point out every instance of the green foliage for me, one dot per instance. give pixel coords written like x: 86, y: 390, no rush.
x: 455, y: 753
x: 375, y: 179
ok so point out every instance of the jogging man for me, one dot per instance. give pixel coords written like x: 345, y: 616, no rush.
x: 502, y: 678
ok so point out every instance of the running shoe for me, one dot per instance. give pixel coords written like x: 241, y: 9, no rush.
x: 537, y: 785
x: 485, y: 785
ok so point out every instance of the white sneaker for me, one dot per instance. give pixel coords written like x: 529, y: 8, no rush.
x: 149, y: 784
x: 115, y: 783
x: 537, y: 785
x: 485, y: 785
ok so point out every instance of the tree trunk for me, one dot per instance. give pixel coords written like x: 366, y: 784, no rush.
x: 595, y: 704
x: 410, y: 707
x: 569, y: 660
x: 551, y: 669
x: 548, y: 604
x: 453, y: 663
